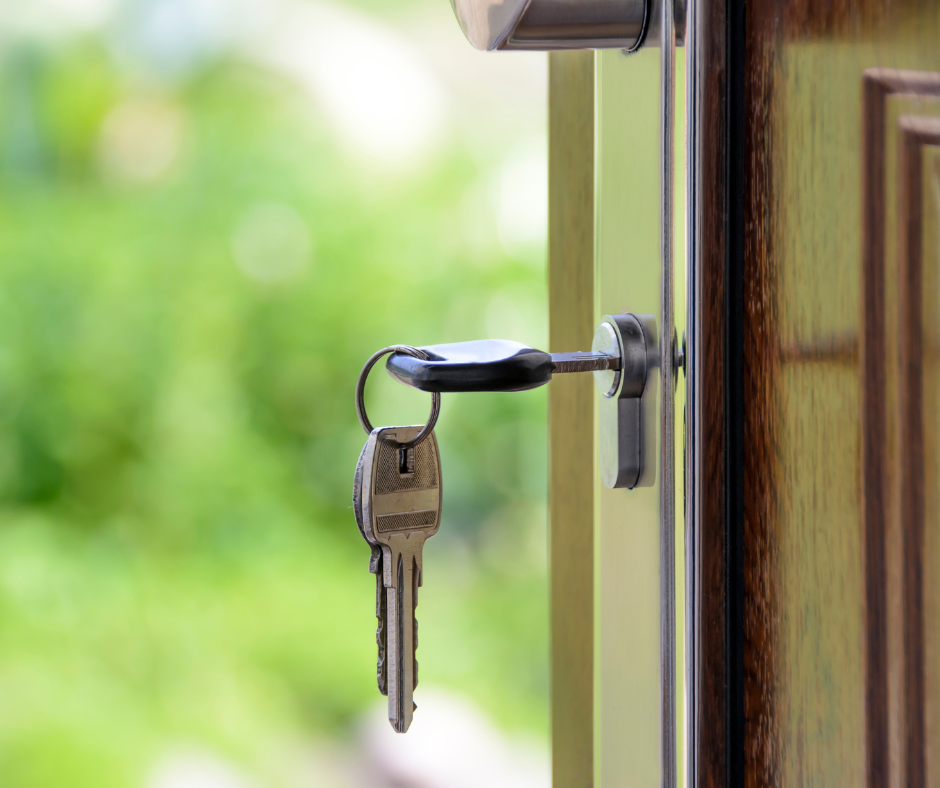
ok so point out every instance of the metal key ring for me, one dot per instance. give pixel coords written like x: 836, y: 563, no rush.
x: 361, y: 391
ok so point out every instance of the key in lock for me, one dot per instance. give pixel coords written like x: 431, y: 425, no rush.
x: 397, y: 485
x: 624, y: 354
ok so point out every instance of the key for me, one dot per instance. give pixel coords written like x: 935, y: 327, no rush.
x: 375, y: 567
x: 381, y: 668
x: 490, y: 365
x: 397, y: 498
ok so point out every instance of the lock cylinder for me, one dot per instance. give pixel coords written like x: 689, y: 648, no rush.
x: 554, y: 24
x: 624, y: 442
x: 624, y: 353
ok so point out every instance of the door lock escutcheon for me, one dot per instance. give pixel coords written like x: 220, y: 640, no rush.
x: 624, y: 442
x: 623, y: 354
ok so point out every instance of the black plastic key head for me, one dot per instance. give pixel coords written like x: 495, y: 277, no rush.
x: 481, y: 365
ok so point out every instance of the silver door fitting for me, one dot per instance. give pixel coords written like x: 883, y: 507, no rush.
x: 625, y: 442
x: 542, y: 25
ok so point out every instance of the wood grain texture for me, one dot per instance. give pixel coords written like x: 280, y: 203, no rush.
x: 929, y: 373
x: 810, y: 459
x: 706, y: 559
x: 878, y: 86
x: 874, y: 424
x: 754, y: 374
x: 571, y: 415
x: 916, y: 133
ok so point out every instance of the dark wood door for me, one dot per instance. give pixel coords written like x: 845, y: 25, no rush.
x: 814, y: 417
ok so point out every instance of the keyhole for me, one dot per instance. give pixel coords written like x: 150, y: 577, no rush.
x: 406, y: 460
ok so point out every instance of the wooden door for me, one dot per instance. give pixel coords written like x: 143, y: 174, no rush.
x: 812, y: 445
x: 813, y: 521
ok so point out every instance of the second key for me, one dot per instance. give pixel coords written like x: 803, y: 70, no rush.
x: 401, y: 509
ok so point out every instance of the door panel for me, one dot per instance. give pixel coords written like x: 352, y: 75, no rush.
x: 816, y: 536
x: 814, y: 435
x: 927, y: 380
x: 917, y: 512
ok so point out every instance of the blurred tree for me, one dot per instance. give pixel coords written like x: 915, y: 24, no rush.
x: 191, y: 275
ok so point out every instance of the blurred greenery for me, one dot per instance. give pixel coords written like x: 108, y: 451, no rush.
x: 178, y: 557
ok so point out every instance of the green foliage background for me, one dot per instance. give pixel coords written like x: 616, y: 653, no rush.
x: 178, y: 556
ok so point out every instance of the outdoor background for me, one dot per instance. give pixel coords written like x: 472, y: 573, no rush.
x: 211, y: 213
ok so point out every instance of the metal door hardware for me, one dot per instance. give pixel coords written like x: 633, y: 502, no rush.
x: 543, y: 25
x: 554, y: 24
x: 623, y: 438
x: 624, y: 352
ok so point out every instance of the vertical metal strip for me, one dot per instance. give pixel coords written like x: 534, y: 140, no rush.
x: 692, y: 610
x: 691, y: 778
x: 667, y: 371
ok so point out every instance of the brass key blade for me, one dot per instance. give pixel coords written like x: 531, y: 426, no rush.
x: 402, y: 577
x: 400, y: 508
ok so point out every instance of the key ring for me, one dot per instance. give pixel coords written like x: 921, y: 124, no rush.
x: 361, y: 391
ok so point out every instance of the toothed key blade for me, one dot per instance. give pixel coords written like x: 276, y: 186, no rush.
x: 401, y: 509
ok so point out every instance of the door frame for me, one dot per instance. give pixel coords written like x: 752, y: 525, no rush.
x: 571, y: 415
